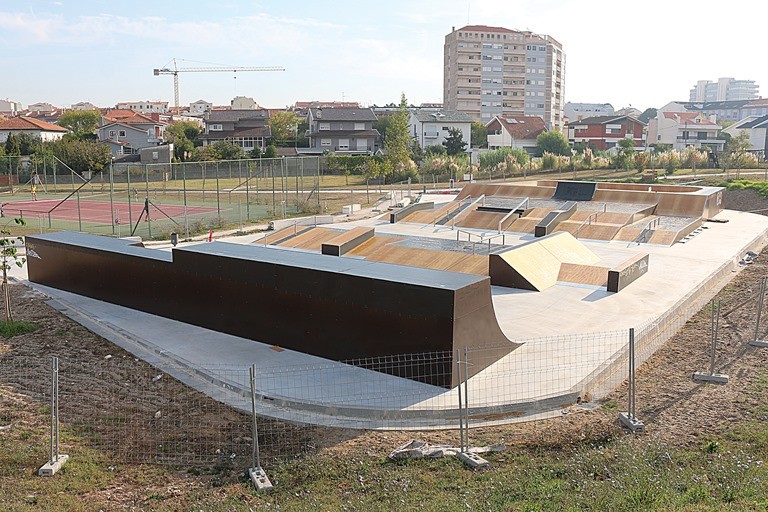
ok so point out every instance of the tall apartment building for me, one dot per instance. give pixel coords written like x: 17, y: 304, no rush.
x: 494, y: 71
x: 725, y: 89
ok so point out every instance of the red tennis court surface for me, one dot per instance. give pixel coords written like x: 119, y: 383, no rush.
x: 101, y: 212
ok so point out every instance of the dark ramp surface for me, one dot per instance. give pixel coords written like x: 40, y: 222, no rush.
x: 575, y: 191
x: 337, y: 308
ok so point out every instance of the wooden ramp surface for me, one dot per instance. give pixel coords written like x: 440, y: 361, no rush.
x: 661, y: 237
x: 583, y: 274
x: 372, y: 245
x: 430, y: 216
x: 681, y: 205
x: 275, y: 237
x: 625, y: 196
x: 599, y: 231
x: 482, y: 220
x: 311, y: 240
x: 436, y: 260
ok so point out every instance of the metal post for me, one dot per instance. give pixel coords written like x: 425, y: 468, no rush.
x: 274, y: 204
x: 757, y: 342
x: 247, y: 193
x: 711, y: 376
x: 79, y: 215
x: 218, y: 203
x: 184, y: 190
x: 111, y: 198
x: 461, y: 407
x: 466, y: 399
x: 57, y: 459
x: 130, y: 209
x: 629, y: 418
x: 257, y: 474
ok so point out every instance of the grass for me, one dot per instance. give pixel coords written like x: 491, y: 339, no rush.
x: 11, y: 329
x: 761, y: 187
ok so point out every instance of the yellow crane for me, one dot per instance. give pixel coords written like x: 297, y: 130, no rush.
x: 209, y: 69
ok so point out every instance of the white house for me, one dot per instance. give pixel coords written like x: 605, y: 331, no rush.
x: 200, y: 107
x: 34, y: 127
x: 431, y: 128
x: 243, y: 103
x: 515, y: 132
x: 144, y: 107
x: 757, y: 129
x: 679, y: 128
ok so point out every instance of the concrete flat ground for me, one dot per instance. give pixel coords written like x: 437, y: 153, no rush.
x: 569, y: 332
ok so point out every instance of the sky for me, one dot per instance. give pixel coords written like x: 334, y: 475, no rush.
x: 642, y: 54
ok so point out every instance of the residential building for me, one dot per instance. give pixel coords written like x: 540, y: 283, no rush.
x: 629, y: 111
x: 494, y: 71
x: 515, y: 132
x: 243, y: 103
x: 301, y: 108
x: 578, y: 111
x: 200, y: 107
x: 758, y: 107
x: 342, y: 130
x: 144, y: 107
x: 127, y: 132
x: 9, y: 107
x: 730, y: 111
x: 681, y: 129
x: 605, y: 132
x: 247, y: 128
x: 432, y: 128
x: 40, y: 129
x: 757, y: 129
x: 725, y: 89
x: 84, y: 105
x: 41, y: 107
x: 48, y: 116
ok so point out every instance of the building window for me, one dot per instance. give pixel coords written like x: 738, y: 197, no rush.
x: 121, y: 133
x: 215, y: 127
x: 325, y: 142
x: 343, y: 144
x: 325, y: 126
x: 112, y: 133
x: 359, y: 126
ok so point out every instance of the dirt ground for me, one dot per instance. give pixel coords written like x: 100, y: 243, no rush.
x: 676, y: 410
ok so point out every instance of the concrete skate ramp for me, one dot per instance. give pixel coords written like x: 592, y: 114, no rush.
x: 536, y: 265
x: 337, y: 308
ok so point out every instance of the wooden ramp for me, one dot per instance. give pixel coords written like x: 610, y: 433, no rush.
x: 681, y: 205
x: 345, y: 242
x: 583, y: 274
x: 482, y: 220
x: 536, y: 265
x: 631, y: 232
x: 312, y: 239
x: 275, y: 237
x: 372, y: 245
x: 427, y: 258
x: 430, y: 216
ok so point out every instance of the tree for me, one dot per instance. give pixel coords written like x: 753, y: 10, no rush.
x: 647, y: 115
x: 82, y: 123
x: 397, y: 139
x: 227, y: 151
x: 29, y: 144
x: 9, y: 256
x: 183, y: 135
x: 381, y: 125
x: 12, y: 145
x: 737, y: 148
x: 624, y: 156
x: 479, y: 135
x: 270, y: 152
x: 81, y: 155
x: 454, y: 143
x: 552, y: 142
x: 283, y: 125
x: 435, y: 151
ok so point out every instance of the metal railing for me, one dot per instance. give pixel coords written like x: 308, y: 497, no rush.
x: 645, y: 234
x: 587, y: 222
x: 524, y: 205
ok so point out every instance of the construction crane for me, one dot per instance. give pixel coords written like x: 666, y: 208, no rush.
x: 211, y: 69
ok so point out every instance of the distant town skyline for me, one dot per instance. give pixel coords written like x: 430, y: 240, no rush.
x: 64, y: 52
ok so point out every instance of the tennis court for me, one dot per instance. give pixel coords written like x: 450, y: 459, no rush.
x: 96, y: 211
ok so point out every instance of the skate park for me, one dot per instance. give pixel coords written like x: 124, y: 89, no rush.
x: 335, y: 308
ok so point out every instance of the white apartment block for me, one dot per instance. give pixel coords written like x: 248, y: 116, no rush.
x: 144, y: 107
x: 494, y: 71
x: 725, y: 89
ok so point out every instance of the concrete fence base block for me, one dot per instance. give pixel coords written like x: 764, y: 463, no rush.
x: 717, y: 378
x: 52, y: 466
x: 260, y: 480
x: 759, y: 343
x: 631, y: 422
x: 473, y: 460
